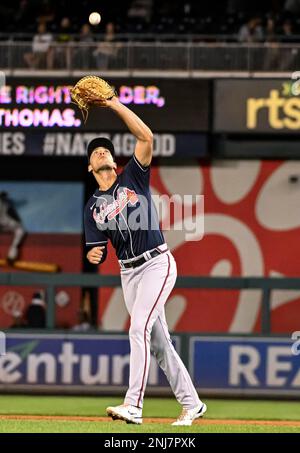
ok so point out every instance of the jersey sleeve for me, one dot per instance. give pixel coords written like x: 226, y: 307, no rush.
x: 137, y: 172
x: 93, y: 236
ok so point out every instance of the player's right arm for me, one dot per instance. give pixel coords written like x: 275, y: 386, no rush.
x: 144, y: 146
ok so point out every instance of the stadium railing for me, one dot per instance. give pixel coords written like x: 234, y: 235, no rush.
x: 153, y: 56
x: 51, y: 281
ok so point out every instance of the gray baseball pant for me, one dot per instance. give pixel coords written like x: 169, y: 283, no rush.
x: 146, y: 289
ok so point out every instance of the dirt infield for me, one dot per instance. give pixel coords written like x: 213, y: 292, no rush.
x: 295, y: 423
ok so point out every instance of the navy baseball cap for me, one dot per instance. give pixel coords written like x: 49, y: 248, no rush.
x: 98, y: 142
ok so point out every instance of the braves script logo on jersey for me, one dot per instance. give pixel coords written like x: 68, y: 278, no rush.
x: 111, y: 210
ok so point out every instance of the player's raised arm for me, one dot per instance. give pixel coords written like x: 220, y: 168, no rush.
x: 91, y: 90
x: 144, y: 136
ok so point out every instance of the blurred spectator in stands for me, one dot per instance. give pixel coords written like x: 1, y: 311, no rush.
x: 18, y: 321
x: 83, y: 54
x: 10, y: 222
x: 62, y: 53
x: 287, y: 33
x: 289, y: 54
x: 83, y: 322
x: 42, y: 53
x: 107, y: 49
x: 251, y: 31
x: 36, y: 312
x: 270, y: 30
x: 271, y: 54
x: 64, y: 33
x: 86, y: 34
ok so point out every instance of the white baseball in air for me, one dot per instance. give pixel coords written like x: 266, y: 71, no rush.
x: 94, y: 18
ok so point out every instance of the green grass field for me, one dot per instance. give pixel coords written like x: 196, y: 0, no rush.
x: 219, y: 411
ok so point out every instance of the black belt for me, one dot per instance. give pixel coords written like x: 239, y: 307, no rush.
x: 142, y: 260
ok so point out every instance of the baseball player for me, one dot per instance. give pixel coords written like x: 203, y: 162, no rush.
x: 10, y: 222
x: 148, y: 269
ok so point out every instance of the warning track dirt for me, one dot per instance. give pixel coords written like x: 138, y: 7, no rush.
x: 292, y: 423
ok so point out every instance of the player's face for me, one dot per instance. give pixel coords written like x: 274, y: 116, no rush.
x: 101, y: 158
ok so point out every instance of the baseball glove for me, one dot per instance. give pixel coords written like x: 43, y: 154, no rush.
x: 90, y: 90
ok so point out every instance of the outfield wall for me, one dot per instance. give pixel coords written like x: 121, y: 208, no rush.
x: 65, y: 363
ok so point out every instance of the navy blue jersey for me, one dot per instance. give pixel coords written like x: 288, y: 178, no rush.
x: 124, y: 214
